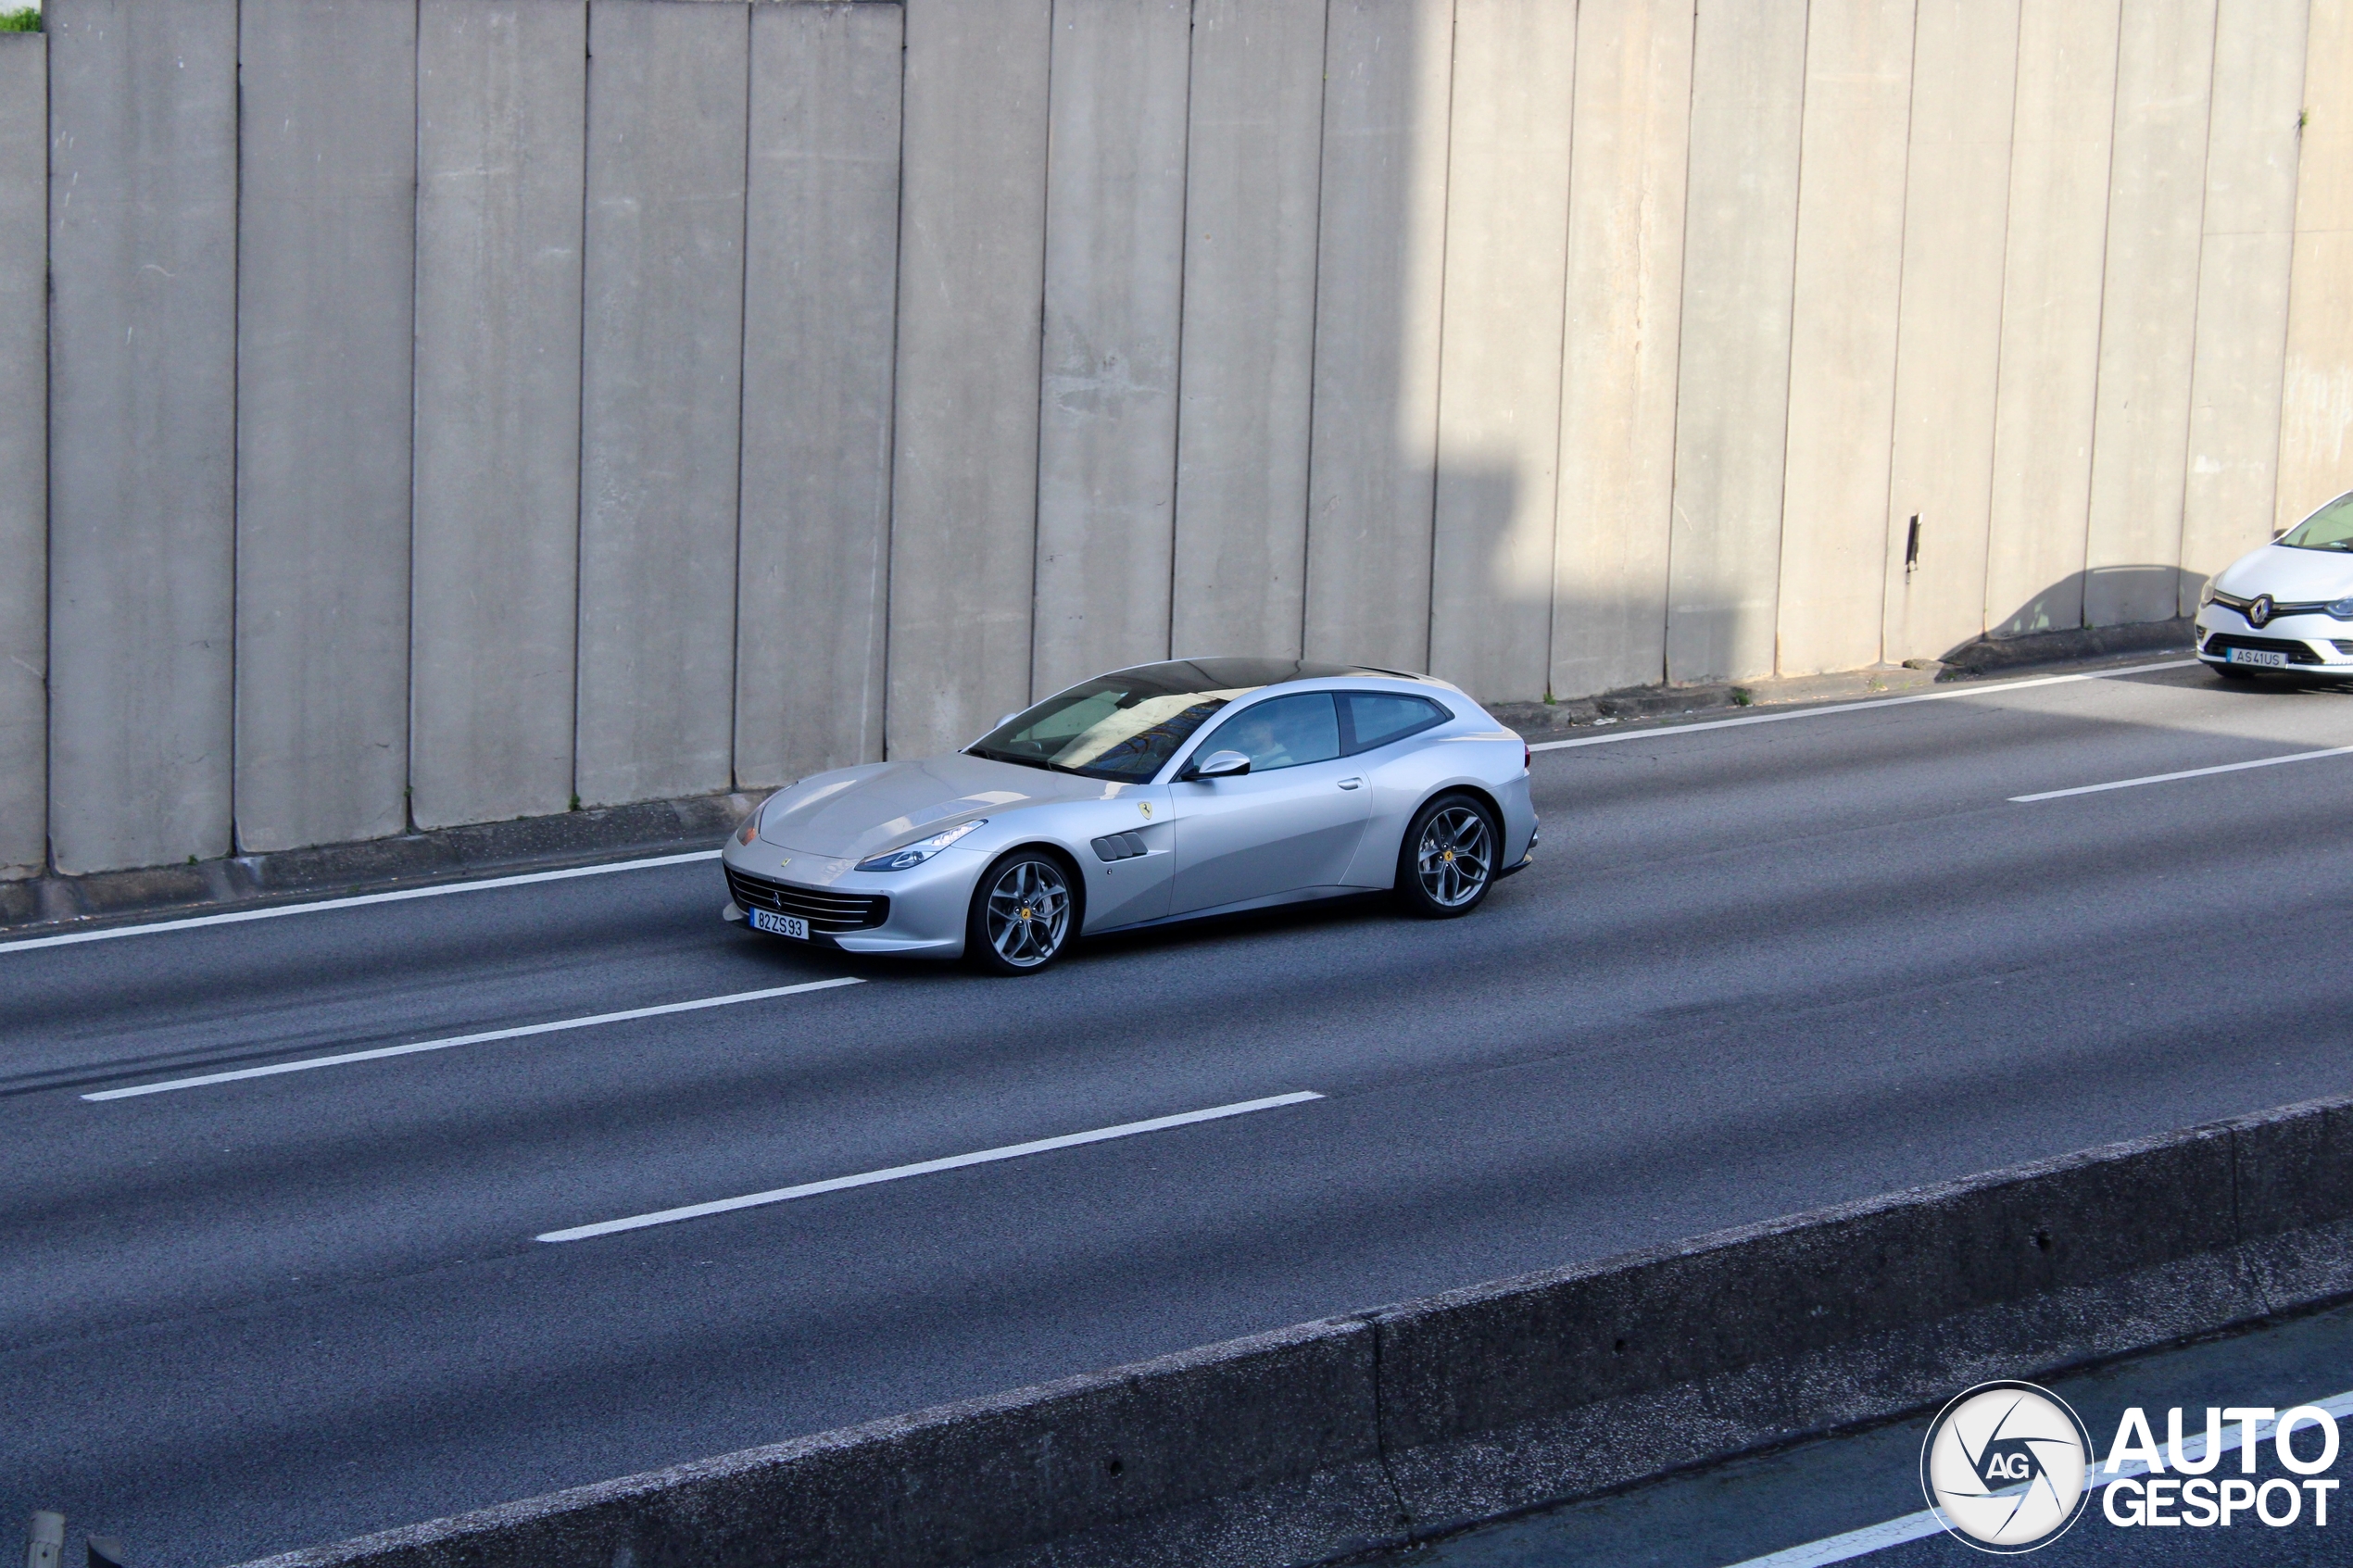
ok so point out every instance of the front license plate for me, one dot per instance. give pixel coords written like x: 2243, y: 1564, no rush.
x: 780, y: 925
x: 2264, y: 657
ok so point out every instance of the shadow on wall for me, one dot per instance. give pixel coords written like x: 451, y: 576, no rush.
x: 2103, y: 595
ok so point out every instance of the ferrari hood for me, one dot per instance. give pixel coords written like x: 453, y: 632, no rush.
x: 858, y: 811
x: 2287, y: 574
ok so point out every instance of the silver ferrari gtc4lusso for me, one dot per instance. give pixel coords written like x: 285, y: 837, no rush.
x: 1201, y: 786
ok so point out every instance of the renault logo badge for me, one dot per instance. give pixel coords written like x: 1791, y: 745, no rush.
x: 2259, y: 612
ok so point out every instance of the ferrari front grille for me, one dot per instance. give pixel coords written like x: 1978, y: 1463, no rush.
x: 825, y: 910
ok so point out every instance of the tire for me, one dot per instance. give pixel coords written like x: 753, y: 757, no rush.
x: 1447, y: 862
x: 1024, y: 916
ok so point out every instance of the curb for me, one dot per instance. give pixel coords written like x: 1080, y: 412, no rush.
x: 1986, y: 658
x: 43, y: 905
x: 1333, y: 1438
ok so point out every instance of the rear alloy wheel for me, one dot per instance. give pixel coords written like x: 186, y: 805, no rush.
x: 1021, y: 914
x: 1447, y: 862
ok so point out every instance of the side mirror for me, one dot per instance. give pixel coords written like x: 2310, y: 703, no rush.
x: 1219, y: 765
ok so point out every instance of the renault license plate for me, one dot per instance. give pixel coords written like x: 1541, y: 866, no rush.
x: 780, y: 925
x: 2261, y: 656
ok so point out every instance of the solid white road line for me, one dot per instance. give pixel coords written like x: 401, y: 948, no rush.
x: 381, y: 1052
x: 1970, y: 690
x: 2185, y: 773
x: 925, y: 1168
x: 276, y: 910
x: 1919, y: 1526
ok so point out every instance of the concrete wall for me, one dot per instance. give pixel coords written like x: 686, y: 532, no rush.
x: 143, y: 398
x: 2149, y: 307
x: 820, y: 273
x: 662, y: 361
x: 1740, y: 255
x: 1949, y: 324
x: 1498, y: 380
x: 501, y: 110
x: 2316, y: 415
x: 537, y: 401
x: 1379, y: 270
x: 2246, y: 245
x: 24, y: 483
x: 1107, y: 394
x: 971, y: 238
x: 326, y: 207
x: 1253, y: 184
x: 2049, y: 353
x: 1628, y: 157
x: 1847, y: 288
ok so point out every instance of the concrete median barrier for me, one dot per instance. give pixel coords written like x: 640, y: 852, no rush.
x: 1329, y: 1438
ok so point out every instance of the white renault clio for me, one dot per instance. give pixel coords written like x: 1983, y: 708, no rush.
x: 2287, y: 605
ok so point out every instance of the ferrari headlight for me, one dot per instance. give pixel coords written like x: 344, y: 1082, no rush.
x: 750, y: 830
x: 2342, y: 609
x: 916, y: 854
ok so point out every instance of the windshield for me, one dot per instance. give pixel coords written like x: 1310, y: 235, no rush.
x: 2331, y: 528
x: 1124, y: 726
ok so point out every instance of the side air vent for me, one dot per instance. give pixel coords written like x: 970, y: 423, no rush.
x: 1120, y: 846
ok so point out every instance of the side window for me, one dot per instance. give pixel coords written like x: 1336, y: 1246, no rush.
x: 1280, y: 732
x: 1377, y: 718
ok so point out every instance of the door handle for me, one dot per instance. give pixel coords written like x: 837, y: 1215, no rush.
x: 1349, y: 783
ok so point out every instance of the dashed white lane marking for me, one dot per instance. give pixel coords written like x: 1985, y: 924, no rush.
x: 276, y: 911
x: 381, y: 1052
x: 1973, y: 689
x: 925, y: 1168
x: 1919, y: 1526
x: 2185, y: 773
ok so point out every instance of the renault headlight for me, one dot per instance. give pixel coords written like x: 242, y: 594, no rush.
x: 2342, y: 609
x: 2205, y: 594
x: 916, y: 854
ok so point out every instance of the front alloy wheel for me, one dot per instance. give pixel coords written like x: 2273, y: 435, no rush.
x: 1449, y: 859
x: 1021, y: 914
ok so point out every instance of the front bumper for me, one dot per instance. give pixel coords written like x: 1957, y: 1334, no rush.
x: 2314, y: 644
x: 918, y: 913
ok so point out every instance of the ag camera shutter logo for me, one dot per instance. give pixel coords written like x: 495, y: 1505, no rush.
x: 2005, y: 1467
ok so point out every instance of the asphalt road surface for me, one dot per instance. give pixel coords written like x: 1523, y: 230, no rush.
x: 1759, y: 968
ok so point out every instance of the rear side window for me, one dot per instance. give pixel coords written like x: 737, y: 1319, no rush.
x: 1371, y: 718
x: 1282, y: 731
